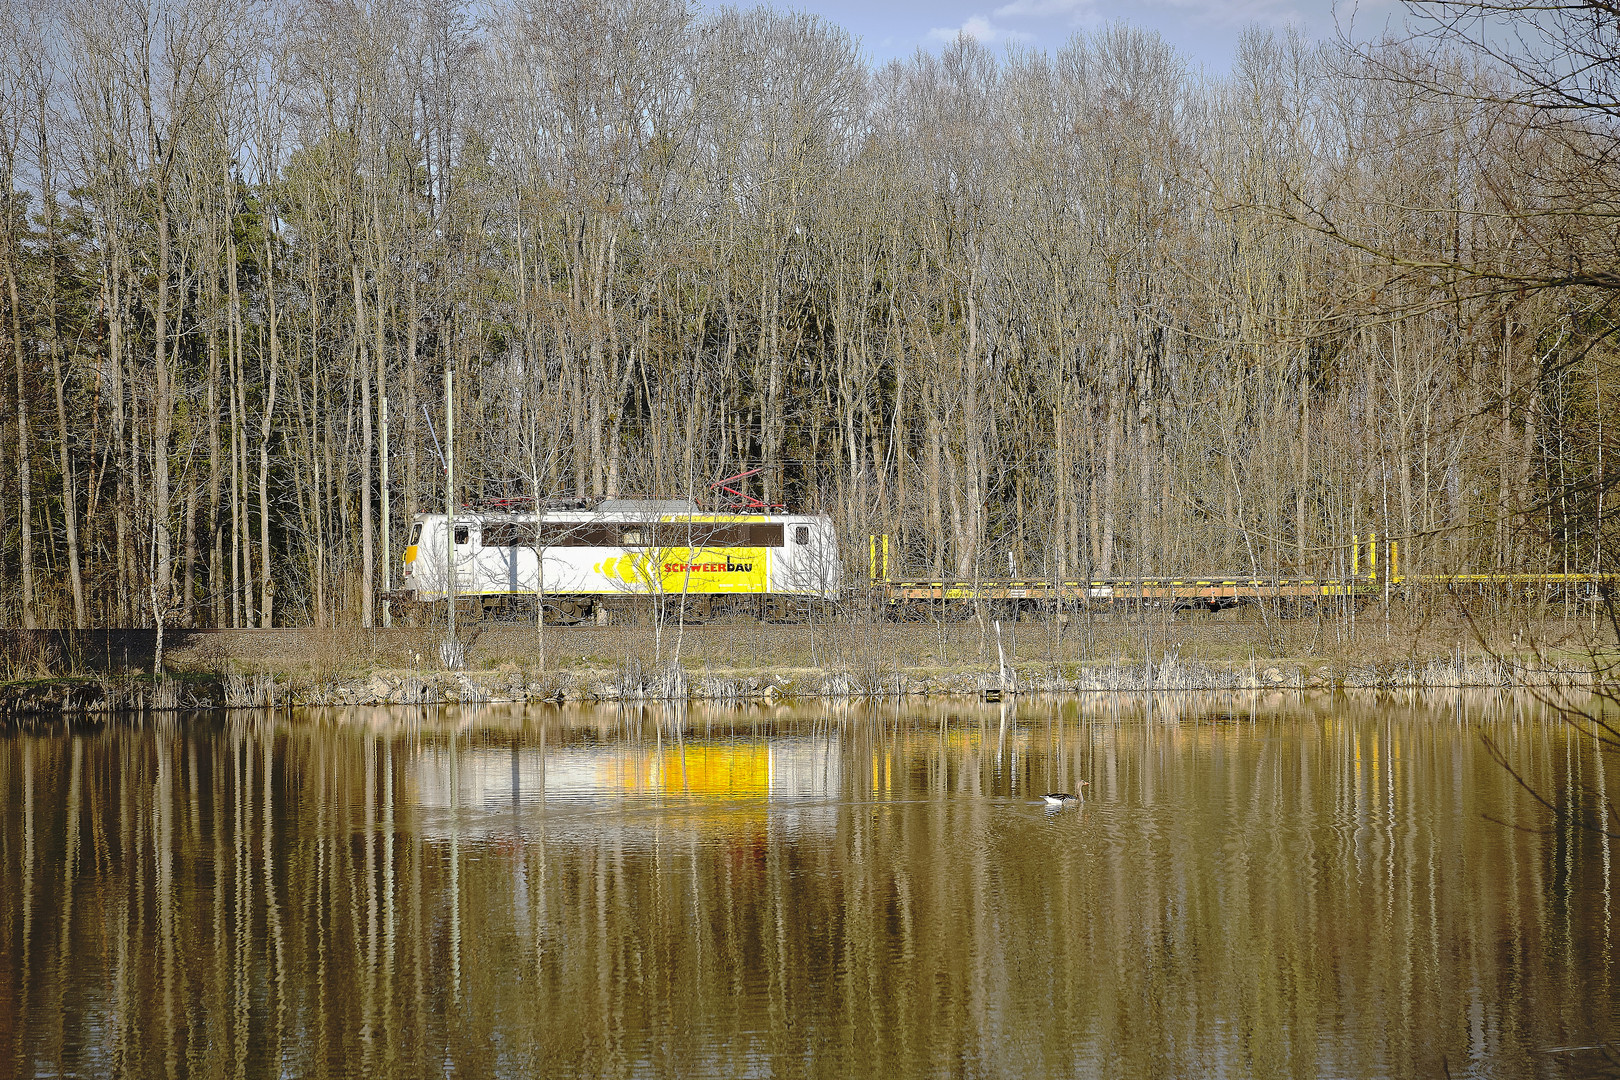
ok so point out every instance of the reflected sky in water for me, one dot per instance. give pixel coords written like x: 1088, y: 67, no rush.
x: 1294, y: 887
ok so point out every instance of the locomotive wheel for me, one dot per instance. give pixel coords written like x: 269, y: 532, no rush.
x: 692, y: 612
x: 564, y: 612
x: 780, y: 609
x: 510, y: 610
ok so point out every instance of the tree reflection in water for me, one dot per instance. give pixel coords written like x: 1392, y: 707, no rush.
x: 1269, y: 887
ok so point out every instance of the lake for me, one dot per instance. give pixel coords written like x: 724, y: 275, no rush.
x: 1277, y: 886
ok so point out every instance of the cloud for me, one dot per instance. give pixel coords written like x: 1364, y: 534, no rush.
x: 1076, y: 10
x: 1234, y: 13
x: 980, y: 29
x: 1226, y: 13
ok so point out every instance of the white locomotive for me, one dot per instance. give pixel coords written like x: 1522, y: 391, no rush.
x: 609, y: 558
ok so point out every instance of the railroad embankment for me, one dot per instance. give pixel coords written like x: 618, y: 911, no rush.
x: 63, y: 672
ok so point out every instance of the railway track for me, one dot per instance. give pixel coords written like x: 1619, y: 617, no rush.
x: 888, y: 601
x: 905, y: 601
x: 923, y: 598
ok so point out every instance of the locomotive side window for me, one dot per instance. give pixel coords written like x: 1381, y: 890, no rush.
x: 416, y: 533
x: 578, y: 534
x: 698, y: 534
x: 765, y: 535
x: 508, y: 534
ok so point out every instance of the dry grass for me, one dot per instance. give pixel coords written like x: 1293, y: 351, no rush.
x: 1149, y: 651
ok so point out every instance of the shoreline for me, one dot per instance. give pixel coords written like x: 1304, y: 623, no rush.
x: 190, y: 691
x: 61, y: 672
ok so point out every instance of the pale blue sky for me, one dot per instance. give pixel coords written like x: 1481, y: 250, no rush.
x: 1204, y: 31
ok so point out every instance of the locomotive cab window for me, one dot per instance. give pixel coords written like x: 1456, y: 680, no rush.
x: 801, y: 534
x: 463, y: 534
x: 416, y: 533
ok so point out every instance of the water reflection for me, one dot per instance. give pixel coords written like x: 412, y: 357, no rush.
x: 1256, y: 887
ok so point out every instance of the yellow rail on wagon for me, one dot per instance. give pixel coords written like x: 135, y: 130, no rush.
x: 1366, y: 578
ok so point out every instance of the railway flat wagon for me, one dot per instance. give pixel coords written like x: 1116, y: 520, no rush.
x: 611, y: 559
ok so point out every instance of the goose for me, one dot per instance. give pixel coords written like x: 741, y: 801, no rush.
x: 1059, y: 799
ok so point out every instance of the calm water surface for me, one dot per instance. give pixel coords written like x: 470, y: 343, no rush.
x: 1290, y: 887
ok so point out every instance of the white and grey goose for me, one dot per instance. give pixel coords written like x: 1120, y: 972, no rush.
x: 1057, y: 800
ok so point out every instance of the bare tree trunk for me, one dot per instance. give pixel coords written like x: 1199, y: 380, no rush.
x: 413, y: 316
x: 1110, y: 473
x: 70, y: 486
x: 1145, y: 510
x: 1063, y: 497
x: 1506, y: 450
x: 25, y: 482
x: 936, y: 468
x: 241, y: 498
x: 582, y: 456
x: 367, y: 555
x: 267, y: 583
x: 163, y: 408
x: 241, y: 555
x: 385, y: 525
x: 1302, y: 483
x: 121, y: 451
x: 216, y: 527
x: 971, y: 528
x: 189, y: 580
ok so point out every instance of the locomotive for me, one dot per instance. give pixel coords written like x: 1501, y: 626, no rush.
x: 610, y: 560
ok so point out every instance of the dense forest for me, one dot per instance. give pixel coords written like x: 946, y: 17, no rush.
x: 1083, y: 312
